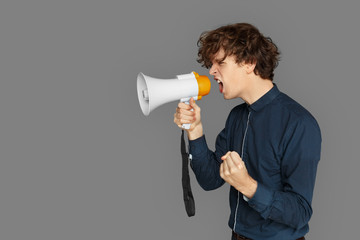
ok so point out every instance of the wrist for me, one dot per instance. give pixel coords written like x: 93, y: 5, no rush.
x: 250, y: 190
x: 196, y: 132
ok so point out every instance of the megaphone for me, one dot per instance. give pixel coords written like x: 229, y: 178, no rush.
x: 153, y: 92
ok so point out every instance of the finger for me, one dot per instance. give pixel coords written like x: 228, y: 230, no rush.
x: 226, y: 169
x: 193, y: 104
x: 182, y: 105
x: 183, y: 117
x: 180, y: 123
x: 177, y: 121
x: 221, y: 171
x: 175, y: 118
x: 234, y: 159
x: 185, y: 112
x: 225, y: 156
x: 180, y: 119
x: 230, y: 161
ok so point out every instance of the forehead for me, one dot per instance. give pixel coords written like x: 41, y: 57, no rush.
x: 219, y: 55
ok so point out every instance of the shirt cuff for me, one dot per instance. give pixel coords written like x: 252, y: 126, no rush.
x: 262, y: 200
x: 197, y: 146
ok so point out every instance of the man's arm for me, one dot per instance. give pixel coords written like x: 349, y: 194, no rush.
x: 292, y: 205
x: 204, y: 162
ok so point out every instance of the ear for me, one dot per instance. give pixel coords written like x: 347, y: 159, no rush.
x: 249, y: 67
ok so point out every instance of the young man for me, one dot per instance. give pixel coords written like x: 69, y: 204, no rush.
x: 270, y: 147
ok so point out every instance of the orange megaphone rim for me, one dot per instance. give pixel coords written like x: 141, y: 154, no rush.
x: 204, y: 85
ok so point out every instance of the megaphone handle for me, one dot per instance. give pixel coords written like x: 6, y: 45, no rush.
x: 187, y: 101
x: 187, y: 125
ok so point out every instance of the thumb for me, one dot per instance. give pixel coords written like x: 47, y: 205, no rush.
x: 193, y: 103
x: 225, y: 156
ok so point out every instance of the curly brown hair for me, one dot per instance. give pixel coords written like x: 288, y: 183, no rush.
x: 245, y: 42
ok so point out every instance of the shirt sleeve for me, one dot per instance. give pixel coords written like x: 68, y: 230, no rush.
x: 292, y: 205
x: 206, y: 163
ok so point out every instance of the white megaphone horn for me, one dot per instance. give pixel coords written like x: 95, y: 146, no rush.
x: 153, y: 92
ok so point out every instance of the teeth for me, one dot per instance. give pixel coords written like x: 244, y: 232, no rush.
x: 218, y: 81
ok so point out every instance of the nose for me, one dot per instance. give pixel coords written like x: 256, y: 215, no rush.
x: 212, y: 70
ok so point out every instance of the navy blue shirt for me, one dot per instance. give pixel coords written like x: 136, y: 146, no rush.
x: 279, y: 142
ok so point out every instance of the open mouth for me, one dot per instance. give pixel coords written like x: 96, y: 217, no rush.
x: 221, y: 86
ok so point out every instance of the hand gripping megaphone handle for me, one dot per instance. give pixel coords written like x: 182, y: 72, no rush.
x: 187, y: 101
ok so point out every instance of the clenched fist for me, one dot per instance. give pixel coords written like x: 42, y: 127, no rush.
x: 189, y: 113
x: 234, y: 172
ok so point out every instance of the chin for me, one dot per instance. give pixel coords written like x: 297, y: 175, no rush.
x: 226, y: 97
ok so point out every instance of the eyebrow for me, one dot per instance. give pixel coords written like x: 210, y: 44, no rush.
x: 218, y: 60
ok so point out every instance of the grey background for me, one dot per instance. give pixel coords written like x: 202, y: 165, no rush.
x: 78, y: 160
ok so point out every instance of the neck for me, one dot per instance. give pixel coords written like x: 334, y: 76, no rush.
x: 257, y: 89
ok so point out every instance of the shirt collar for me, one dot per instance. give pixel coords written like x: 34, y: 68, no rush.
x: 265, y: 99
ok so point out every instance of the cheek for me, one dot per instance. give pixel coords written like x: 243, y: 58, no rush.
x: 232, y: 81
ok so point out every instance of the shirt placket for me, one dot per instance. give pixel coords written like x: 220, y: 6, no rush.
x: 242, y: 156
